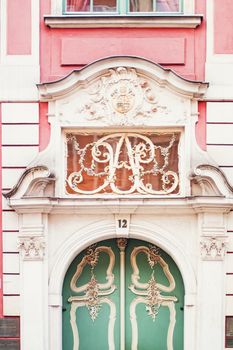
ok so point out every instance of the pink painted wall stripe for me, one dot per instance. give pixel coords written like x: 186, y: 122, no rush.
x: 1, y: 248
x: 19, y: 27
x: 223, y: 28
x: 201, y: 126
x: 44, y: 128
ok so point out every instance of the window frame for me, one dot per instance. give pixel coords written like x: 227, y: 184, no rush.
x: 228, y: 337
x: 187, y: 19
x: 182, y: 154
x: 122, y: 9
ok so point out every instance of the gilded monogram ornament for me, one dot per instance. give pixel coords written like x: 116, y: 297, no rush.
x: 122, y: 163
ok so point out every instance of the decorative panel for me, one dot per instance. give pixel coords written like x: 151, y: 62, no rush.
x: 11, y: 344
x: 122, y: 163
x: 9, y: 327
x: 83, y: 50
x: 229, y: 332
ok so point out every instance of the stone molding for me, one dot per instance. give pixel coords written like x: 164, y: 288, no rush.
x: 213, y: 247
x: 174, y: 21
x: 32, y: 247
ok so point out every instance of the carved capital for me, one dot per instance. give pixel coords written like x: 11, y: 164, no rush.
x: 32, y: 248
x: 213, y: 248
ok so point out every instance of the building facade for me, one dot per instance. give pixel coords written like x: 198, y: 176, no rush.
x: 117, y: 175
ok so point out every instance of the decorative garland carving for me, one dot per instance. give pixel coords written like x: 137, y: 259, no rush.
x: 92, y: 295
x: 92, y: 256
x: 32, y: 248
x: 140, y: 164
x: 213, y: 248
x: 154, y: 299
x: 121, y: 97
x: 153, y: 255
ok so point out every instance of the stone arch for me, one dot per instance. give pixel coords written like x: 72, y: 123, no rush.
x: 103, y: 230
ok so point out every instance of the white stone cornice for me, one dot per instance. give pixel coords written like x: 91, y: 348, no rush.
x: 155, y: 206
x: 163, y: 76
x: 213, y: 247
x: 32, y: 230
x: 31, y: 247
x: 175, y: 21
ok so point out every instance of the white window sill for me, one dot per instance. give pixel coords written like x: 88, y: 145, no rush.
x: 164, y: 21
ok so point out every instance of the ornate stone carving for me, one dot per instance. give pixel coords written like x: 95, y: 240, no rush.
x: 32, y: 248
x: 121, y: 97
x: 122, y: 243
x: 213, y: 248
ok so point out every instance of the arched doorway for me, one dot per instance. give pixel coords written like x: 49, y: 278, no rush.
x: 123, y: 294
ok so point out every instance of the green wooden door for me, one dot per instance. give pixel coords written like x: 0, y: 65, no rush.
x: 123, y: 295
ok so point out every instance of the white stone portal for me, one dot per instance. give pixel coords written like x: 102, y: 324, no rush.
x: 124, y: 95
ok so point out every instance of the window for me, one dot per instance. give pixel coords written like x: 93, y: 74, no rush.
x: 229, y: 332
x: 123, y: 163
x: 123, y: 6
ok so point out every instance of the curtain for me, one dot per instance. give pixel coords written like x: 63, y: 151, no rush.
x: 167, y: 5
x: 141, y: 5
x: 78, y: 5
x: 161, y: 5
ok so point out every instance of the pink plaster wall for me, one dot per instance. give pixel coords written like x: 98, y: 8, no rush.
x: 1, y: 255
x: 19, y: 27
x: 84, y: 50
x: 201, y: 126
x: 223, y: 27
x: 180, y: 49
x: 44, y: 127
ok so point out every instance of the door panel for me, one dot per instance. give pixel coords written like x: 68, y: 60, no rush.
x: 123, y: 297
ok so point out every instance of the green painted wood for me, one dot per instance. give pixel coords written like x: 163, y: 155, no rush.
x: 151, y: 334
x: 92, y: 334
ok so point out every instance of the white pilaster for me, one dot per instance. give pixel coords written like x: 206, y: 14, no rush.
x: 34, y: 281
x: 211, y: 280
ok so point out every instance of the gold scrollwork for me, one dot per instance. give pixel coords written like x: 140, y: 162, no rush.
x: 142, y: 165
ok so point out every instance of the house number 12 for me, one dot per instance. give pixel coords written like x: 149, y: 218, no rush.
x: 122, y: 223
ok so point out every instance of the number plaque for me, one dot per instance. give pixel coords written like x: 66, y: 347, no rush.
x: 122, y: 225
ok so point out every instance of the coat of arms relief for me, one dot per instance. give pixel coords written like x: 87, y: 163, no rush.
x: 121, y: 97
